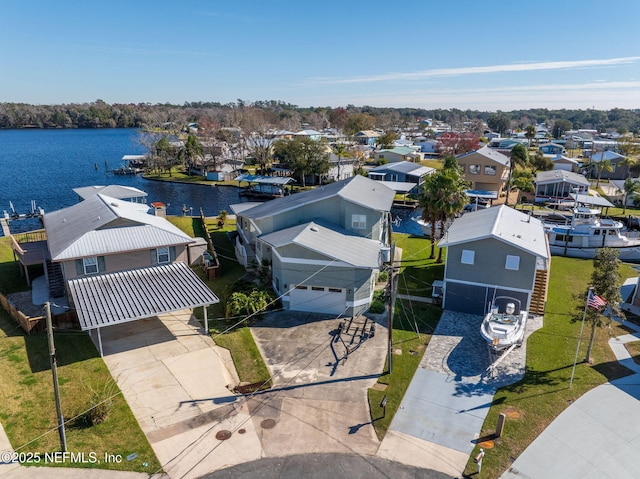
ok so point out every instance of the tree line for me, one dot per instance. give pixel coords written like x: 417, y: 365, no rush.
x: 279, y: 114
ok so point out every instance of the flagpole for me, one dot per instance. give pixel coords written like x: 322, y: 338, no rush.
x: 584, y: 314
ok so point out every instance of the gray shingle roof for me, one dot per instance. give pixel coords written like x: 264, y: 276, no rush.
x: 501, y: 223
x: 331, y: 241
x: 113, y: 298
x: 489, y: 153
x: 104, y: 225
x: 357, y: 189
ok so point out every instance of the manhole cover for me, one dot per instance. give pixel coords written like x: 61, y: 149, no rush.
x: 486, y: 444
x: 223, y: 435
x: 242, y: 431
x: 268, y: 423
x: 512, y: 413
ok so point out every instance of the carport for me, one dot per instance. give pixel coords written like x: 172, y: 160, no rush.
x: 115, y: 298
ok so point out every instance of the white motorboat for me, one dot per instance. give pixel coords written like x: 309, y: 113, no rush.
x: 504, y: 324
x: 585, y: 232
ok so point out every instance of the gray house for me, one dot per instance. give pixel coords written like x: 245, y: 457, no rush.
x: 323, y: 245
x: 495, y: 252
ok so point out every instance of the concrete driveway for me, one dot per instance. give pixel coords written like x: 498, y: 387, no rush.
x: 175, y: 381
x: 318, y: 402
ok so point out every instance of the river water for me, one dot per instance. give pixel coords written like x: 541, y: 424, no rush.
x: 45, y: 166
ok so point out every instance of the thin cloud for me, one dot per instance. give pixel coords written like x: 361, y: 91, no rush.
x: 516, y: 67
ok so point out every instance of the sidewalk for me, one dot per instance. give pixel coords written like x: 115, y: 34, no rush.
x: 598, y: 435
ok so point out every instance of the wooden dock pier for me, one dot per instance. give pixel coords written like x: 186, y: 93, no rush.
x: 5, y: 227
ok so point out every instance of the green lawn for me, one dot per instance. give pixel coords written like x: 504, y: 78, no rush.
x: 27, y: 406
x: 544, y: 392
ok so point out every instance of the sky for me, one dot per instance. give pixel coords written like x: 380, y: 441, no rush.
x: 489, y: 56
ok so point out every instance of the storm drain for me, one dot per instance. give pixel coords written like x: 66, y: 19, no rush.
x: 223, y: 435
x: 268, y: 423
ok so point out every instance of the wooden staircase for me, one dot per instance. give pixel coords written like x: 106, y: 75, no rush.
x: 539, y: 295
x: 55, y: 279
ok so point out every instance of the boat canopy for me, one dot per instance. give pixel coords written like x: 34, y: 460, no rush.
x: 265, y: 180
x: 591, y: 200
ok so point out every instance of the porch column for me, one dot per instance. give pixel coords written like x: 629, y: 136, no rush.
x: 100, y: 343
x: 206, y: 320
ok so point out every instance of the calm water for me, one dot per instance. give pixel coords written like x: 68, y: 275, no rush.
x: 45, y: 166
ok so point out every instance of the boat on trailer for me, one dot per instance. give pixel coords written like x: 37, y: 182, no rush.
x: 504, y: 325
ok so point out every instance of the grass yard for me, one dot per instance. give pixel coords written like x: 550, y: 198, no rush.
x: 544, y: 392
x: 27, y: 406
x: 238, y: 340
x: 418, y: 271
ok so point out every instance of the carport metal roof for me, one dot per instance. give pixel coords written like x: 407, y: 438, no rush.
x: 115, y: 298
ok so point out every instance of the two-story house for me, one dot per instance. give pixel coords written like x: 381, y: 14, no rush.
x: 495, y: 252
x: 116, y: 263
x: 485, y: 169
x: 323, y: 245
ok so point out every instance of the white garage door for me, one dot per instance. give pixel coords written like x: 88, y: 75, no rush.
x: 318, y: 299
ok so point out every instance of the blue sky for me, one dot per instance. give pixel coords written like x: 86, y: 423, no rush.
x: 490, y: 55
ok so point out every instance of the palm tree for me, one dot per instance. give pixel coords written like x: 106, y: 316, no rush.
x: 630, y: 187
x: 340, y: 150
x: 631, y: 163
x: 602, y: 165
x: 429, y: 202
x: 452, y: 194
x: 530, y: 133
x: 523, y: 180
x: 519, y: 157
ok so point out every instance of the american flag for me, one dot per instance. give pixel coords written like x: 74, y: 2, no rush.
x: 595, y: 301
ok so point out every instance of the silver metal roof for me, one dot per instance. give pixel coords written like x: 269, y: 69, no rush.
x: 264, y: 180
x: 592, y: 200
x: 103, y: 225
x: 330, y: 241
x: 114, y: 298
x: 553, y: 176
x: 501, y: 223
x: 399, y: 186
x: 357, y: 189
x: 406, y: 167
x: 114, y: 191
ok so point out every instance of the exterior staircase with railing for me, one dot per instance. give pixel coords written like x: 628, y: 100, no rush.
x: 55, y: 279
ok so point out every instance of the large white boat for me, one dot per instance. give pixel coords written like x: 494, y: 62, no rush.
x: 585, y: 232
x: 504, y: 324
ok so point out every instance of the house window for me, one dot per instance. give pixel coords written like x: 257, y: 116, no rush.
x: 90, y: 265
x: 490, y: 170
x: 468, y: 256
x: 163, y: 255
x: 474, y: 169
x: 513, y: 262
x: 359, y: 222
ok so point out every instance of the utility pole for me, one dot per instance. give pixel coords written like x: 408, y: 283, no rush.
x: 54, y: 373
x: 392, y: 303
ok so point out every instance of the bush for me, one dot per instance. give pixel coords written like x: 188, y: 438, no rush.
x: 378, y: 303
x: 383, y: 277
x: 100, y: 403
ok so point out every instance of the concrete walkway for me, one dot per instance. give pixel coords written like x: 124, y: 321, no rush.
x: 598, y: 436
x: 445, y: 406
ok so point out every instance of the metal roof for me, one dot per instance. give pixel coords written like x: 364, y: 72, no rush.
x: 267, y: 180
x: 489, y: 153
x: 114, y: 298
x: 501, y: 223
x: 331, y: 241
x: 553, y: 176
x: 592, y: 200
x: 102, y: 225
x: 406, y: 167
x: 357, y: 189
x: 114, y: 191
x: 399, y: 186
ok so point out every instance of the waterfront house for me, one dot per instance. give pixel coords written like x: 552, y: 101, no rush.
x: 495, y: 252
x: 401, y: 172
x: 322, y: 245
x: 485, y: 169
x: 115, y: 263
x: 557, y: 185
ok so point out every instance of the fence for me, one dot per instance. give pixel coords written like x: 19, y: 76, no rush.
x: 210, y: 263
x: 38, y: 324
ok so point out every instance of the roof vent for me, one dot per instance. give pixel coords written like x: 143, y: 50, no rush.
x: 114, y: 204
x: 313, y: 228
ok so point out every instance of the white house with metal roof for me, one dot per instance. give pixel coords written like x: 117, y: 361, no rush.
x: 554, y: 185
x: 495, y: 252
x: 323, y: 245
x: 116, y: 263
x: 401, y: 172
x: 119, y: 192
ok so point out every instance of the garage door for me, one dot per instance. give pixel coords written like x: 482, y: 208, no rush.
x: 318, y: 299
